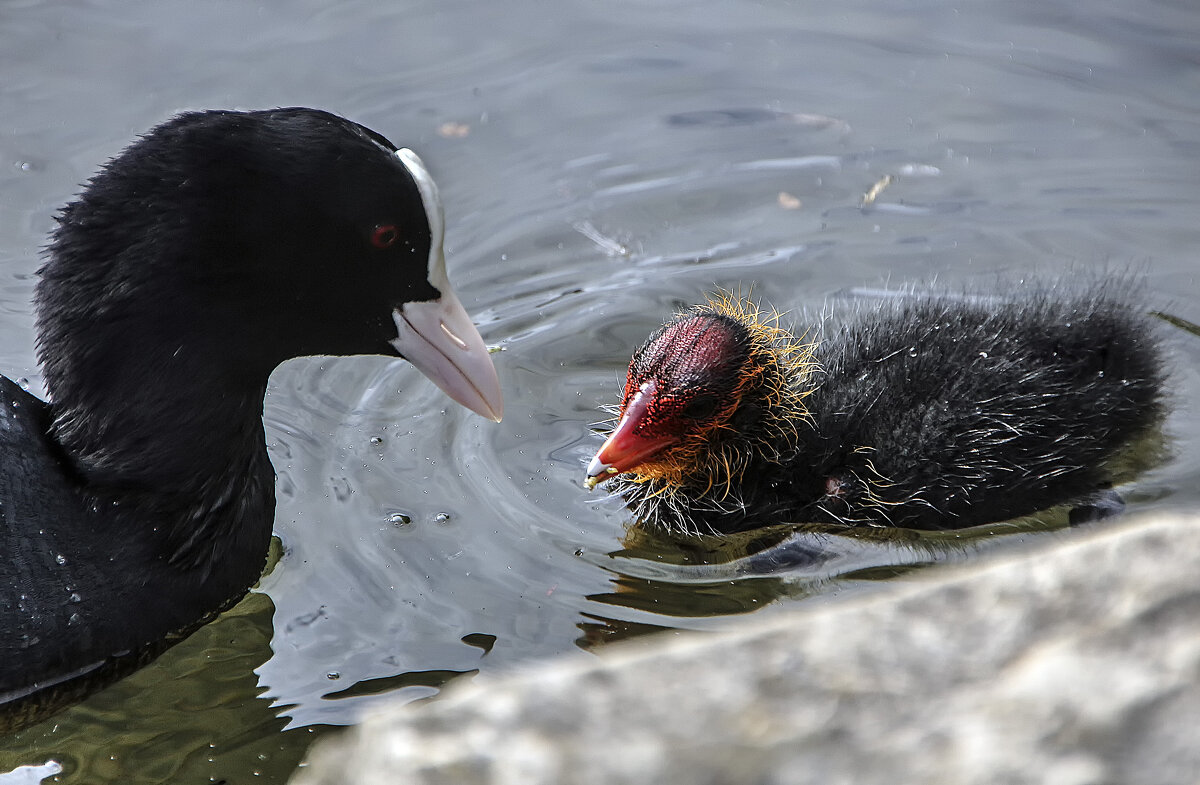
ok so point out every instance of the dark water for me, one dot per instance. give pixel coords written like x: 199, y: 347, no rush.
x: 601, y: 164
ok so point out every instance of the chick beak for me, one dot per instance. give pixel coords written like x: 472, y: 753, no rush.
x: 625, y: 449
x: 438, y: 338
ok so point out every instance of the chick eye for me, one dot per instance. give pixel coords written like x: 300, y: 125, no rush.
x: 700, y: 407
x: 384, y: 236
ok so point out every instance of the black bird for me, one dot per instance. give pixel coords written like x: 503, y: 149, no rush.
x: 926, y: 412
x: 138, y: 502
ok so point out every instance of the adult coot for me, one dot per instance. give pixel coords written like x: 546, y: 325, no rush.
x: 926, y: 412
x: 138, y: 502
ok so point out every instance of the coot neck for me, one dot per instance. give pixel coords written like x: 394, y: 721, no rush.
x: 169, y: 440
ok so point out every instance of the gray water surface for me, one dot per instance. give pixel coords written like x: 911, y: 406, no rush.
x: 601, y: 164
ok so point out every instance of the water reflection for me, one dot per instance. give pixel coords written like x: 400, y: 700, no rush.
x: 678, y: 577
x: 194, y: 715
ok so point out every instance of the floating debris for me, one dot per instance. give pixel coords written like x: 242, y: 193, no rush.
x: 870, y: 196
x: 789, y: 202
x: 609, y: 245
x: 453, y: 130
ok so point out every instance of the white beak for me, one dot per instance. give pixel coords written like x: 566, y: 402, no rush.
x: 438, y: 338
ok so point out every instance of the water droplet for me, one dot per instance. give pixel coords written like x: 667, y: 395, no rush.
x: 333, y: 675
x: 983, y: 355
x: 579, y: 551
x: 399, y: 519
x: 912, y: 351
x: 24, y: 384
x: 376, y: 440
x: 441, y: 517
x: 60, y: 559
x: 75, y: 597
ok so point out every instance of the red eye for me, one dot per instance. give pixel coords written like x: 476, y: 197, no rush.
x: 384, y: 236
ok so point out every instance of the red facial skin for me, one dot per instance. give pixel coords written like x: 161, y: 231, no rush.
x: 679, y: 384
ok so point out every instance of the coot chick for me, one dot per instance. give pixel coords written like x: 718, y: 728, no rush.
x: 138, y: 502
x: 928, y: 412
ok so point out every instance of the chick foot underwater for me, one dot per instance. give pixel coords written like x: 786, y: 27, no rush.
x: 138, y: 502
x: 926, y: 411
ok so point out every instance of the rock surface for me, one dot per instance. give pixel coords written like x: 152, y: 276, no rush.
x: 1076, y: 664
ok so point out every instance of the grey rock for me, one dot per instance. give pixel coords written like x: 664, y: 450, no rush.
x: 1077, y: 664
